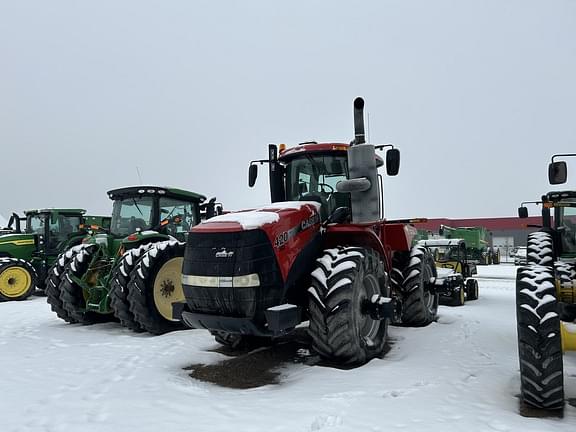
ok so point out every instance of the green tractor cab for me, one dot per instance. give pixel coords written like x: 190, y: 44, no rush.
x: 478, y: 241
x: 89, y: 283
x: 30, y: 245
x: 546, y: 297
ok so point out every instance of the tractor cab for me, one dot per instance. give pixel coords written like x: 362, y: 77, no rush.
x: 311, y: 171
x: 168, y: 211
x: 564, y: 221
x: 54, y: 226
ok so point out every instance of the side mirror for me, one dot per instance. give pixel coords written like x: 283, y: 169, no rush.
x: 522, y: 212
x: 392, y: 161
x: 557, y: 172
x: 252, y: 174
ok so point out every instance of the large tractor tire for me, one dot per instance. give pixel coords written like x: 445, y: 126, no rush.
x: 344, y: 280
x: 540, y: 249
x: 399, y: 263
x: 471, y: 290
x: 539, y: 338
x: 155, y: 284
x: 72, y: 294
x: 17, y: 279
x: 55, y: 274
x: 119, y: 287
x: 420, y: 303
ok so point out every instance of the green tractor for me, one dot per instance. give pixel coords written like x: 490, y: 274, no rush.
x: 546, y: 297
x: 26, y: 254
x: 477, y: 240
x: 455, y: 271
x: 89, y: 282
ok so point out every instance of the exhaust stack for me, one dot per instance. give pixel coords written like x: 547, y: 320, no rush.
x: 359, y: 135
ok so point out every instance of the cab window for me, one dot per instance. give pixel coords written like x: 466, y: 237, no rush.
x: 181, y: 216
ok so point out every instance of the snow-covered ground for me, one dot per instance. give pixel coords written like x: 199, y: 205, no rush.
x: 459, y: 374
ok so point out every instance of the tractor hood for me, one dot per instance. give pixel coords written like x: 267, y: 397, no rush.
x: 17, y: 239
x: 291, y: 217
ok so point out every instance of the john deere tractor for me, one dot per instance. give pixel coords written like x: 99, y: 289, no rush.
x: 89, y: 282
x: 321, y: 252
x: 26, y: 254
x: 454, y: 269
x: 546, y: 296
x: 478, y: 243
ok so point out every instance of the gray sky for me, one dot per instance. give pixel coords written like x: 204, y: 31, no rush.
x: 476, y: 94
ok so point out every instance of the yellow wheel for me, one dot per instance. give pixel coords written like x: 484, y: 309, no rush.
x: 17, y: 279
x: 168, y: 287
x: 462, y: 296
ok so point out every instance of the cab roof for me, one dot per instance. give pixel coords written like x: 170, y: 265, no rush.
x: 312, y: 147
x: 132, y: 191
x: 441, y: 242
x: 55, y: 210
x: 556, y: 196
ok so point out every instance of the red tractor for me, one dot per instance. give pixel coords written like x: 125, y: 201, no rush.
x: 321, y: 252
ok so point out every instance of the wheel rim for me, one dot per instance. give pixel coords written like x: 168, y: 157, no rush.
x: 428, y: 297
x: 168, y: 287
x: 367, y: 327
x: 15, y: 282
x: 462, y: 298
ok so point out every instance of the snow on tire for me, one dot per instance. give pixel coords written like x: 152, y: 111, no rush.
x: 420, y: 304
x: 342, y: 281
x: 540, y: 248
x: 17, y: 279
x: 119, y: 287
x: 71, y: 294
x: 53, y: 280
x: 539, y: 338
x: 155, y: 284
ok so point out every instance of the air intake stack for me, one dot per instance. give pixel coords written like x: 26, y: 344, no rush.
x: 362, y: 183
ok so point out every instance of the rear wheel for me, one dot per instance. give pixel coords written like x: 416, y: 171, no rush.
x: 17, y: 279
x: 420, y: 303
x: 345, y: 279
x: 119, y: 287
x: 55, y: 274
x: 155, y: 285
x: 72, y: 294
x: 540, y: 249
x: 539, y: 338
x: 471, y: 290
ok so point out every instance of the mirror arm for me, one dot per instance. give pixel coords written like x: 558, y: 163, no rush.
x: 383, y: 146
x: 563, y: 155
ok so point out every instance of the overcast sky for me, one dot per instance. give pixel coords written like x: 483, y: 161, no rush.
x: 476, y: 94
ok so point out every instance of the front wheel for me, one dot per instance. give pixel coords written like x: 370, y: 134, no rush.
x: 344, y: 281
x: 155, y: 285
x: 17, y: 279
x: 539, y: 338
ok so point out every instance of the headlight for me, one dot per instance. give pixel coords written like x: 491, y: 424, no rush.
x: 245, y: 281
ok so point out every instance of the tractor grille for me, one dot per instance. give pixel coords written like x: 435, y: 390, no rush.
x: 228, y: 255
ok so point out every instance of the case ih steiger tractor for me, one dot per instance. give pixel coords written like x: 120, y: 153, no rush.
x: 321, y: 252
x: 546, y: 296
x: 90, y: 282
x: 26, y: 255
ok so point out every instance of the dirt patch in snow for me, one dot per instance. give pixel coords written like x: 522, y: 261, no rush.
x: 256, y: 368
x: 262, y: 366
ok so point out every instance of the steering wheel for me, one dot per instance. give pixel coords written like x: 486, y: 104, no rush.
x: 323, y: 186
